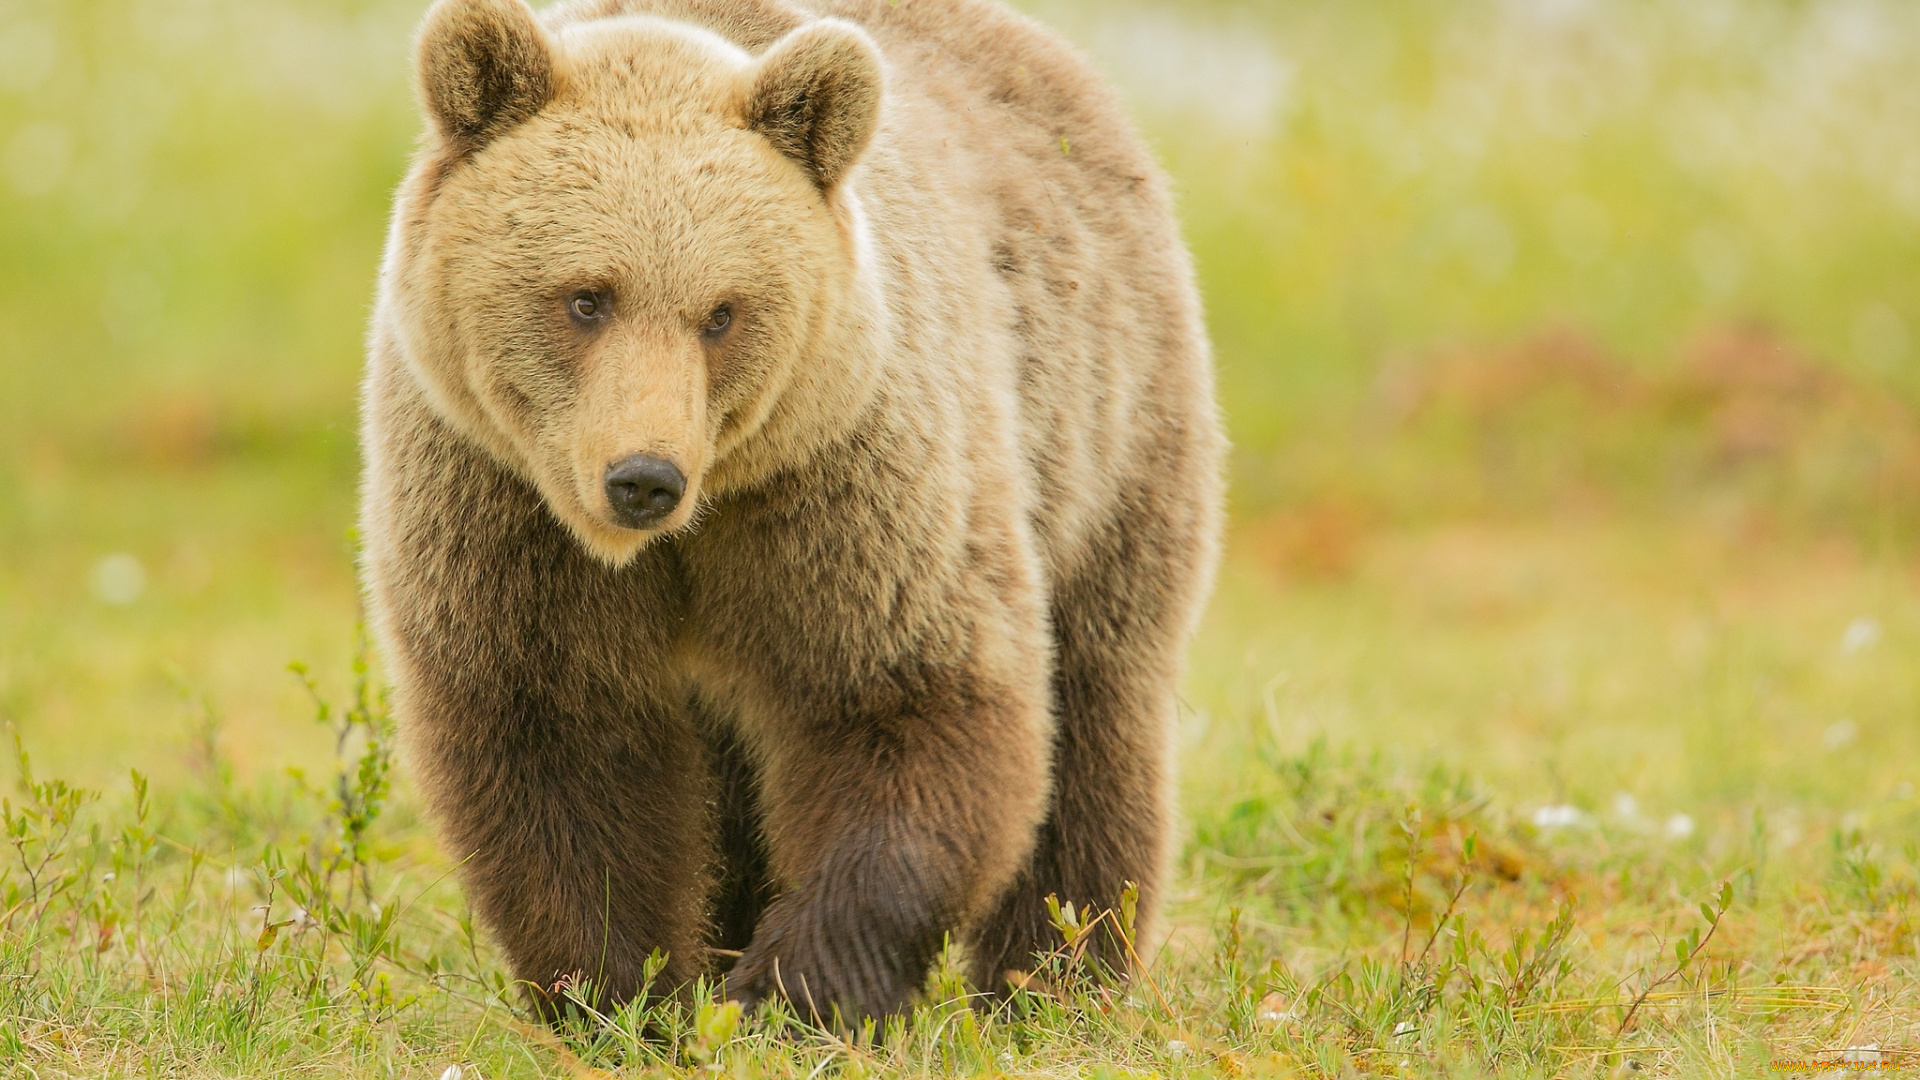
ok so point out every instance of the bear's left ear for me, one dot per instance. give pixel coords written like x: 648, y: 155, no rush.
x: 816, y: 97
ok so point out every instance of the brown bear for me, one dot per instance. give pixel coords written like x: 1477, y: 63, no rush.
x: 792, y: 479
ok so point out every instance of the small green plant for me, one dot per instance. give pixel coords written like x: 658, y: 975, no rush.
x: 361, y: 783
x: 40, y: 829
x: 1686, y: 949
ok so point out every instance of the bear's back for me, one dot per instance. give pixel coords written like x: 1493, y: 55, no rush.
x: 1113, y: 371
x: 962, y: 51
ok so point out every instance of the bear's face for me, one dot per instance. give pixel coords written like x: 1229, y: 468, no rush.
x: 633, y: 242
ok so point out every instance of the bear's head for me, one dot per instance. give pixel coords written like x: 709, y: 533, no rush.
x: 629, y: 252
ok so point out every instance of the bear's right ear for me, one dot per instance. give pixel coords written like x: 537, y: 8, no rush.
x: 816, y: 97
x: 483, y: 67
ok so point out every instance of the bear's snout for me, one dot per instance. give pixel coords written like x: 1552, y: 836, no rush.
x: 642, y: 491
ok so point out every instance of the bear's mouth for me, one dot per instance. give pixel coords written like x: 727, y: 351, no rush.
x: 619, y: 508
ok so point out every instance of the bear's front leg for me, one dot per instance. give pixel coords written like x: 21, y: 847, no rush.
x: 897, y: 811
x: 564, y: 773
x: 579, y: 828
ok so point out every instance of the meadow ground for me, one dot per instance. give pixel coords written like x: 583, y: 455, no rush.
x: 1558, y: 713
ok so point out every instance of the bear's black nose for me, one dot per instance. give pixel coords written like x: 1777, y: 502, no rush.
x: 643, y: 490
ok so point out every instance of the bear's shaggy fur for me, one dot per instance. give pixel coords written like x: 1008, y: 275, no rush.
x: 897, y: 289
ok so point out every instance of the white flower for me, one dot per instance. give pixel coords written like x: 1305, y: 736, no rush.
x: 1679, y: 827
x: 1864, y: 1053
x: 1557, y: 817
x: 1861, y: 634
x: 1840, y: 735
x: 454, y: 1072
x: 118, y: 579
x: 1626, y: 807
x: 1404, y: 1027
x: 1176, y: 1048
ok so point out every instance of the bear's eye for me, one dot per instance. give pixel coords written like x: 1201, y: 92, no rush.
x: 718, y: 321
x: 587, y: 307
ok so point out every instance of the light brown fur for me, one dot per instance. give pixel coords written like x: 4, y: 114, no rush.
x: 903, y: 660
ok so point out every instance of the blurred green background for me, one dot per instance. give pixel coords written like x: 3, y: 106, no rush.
x: 1568, y: 347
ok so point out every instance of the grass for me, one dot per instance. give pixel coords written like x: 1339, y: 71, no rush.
x: 1569, y: 352
x: 1342, y: 911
